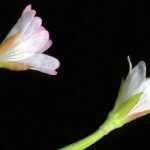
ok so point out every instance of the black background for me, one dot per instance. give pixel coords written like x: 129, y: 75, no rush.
x: 92, y: 41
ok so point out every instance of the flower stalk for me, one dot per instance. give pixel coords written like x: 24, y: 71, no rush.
x: 94, y: 137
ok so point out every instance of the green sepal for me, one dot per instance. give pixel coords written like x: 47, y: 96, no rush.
x: 119, y: 93
x: 119, y: 115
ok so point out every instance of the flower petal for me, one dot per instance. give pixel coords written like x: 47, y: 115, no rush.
x: 134, y: 82
x: 32, y: 28
x: 22, y: 24
x: 28, y: 8
x: 44, y: 70
x: 46, y: 46
x: 27, y: 47
x: 43, y: 63
x: 144, y: 103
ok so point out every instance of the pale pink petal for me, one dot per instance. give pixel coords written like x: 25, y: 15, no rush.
x: 27, y: 46
x: 33, y: 27
x: 28, y: 8
x: 41, y: 28
x: 22, y: 24
x: 43, y: 63
x: 47, y: 45
x: 47, y: 71
x: 14, y: 57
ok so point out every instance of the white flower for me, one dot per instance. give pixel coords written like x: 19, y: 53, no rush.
x: 133, y: 101
x: 23, y: 46
x: 135, y: 83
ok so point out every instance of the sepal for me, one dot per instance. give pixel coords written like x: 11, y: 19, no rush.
x: 120, y: 115
x: 119, y: 93
x: 5, y: 45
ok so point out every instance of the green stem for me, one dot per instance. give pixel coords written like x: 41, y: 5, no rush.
x: 108, y: 126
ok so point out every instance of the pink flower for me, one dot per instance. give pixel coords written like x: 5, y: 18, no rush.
x: 24, y: 45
